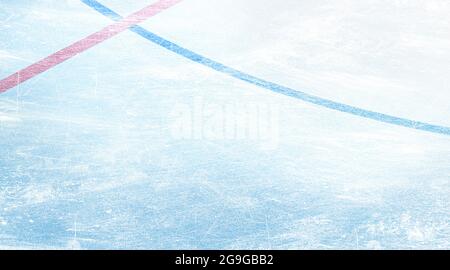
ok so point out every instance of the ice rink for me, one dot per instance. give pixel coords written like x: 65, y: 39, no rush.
x: 133, y: 145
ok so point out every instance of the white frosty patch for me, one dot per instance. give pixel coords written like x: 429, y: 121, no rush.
x: 6, y: 118
x: 38, y: 194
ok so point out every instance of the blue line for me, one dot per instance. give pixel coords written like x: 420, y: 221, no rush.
x: 266, y: 84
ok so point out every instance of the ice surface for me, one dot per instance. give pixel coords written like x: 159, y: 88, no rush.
x: 131, y: 146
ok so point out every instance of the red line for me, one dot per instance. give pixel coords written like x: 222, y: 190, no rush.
x: 84, y: 44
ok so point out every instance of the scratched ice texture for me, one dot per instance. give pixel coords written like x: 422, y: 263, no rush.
x: 89, y: 158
